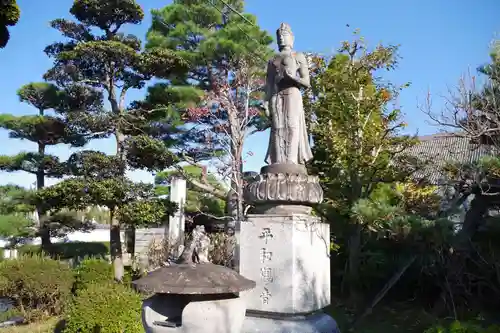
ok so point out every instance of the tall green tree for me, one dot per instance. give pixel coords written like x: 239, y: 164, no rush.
x: 357, y: 137
x: 9, y: 16
x: 224, y: 82
x: 97, y: 62
x: 45, y: 128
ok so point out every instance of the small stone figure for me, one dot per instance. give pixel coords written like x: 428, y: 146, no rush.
x: 190, y: 253
x: 287, y: 73
x: 203, y: 247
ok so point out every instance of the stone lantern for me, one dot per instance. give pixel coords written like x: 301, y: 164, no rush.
x: 193, y: 295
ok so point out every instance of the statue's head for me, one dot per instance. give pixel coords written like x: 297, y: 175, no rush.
x: 198, y: 231
x: 284, y: 36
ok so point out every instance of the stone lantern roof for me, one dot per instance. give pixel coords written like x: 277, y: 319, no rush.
x: 194, y: 279
x: 191, y: 276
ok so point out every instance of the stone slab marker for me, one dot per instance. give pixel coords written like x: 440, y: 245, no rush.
x: 288, y: 257
x: 176, y: 224
x: 281, y: 245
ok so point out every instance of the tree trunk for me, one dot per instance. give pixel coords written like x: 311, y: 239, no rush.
x: 114, y: 237
x: 354, y: 245
x: 44, y: 233
x: 473, y: 218
x: 455, y: 203
x: 234, y: 199
x: 116, y: 246
x: 353, y: 264
x: 43, y: 229
x: 381, y: 294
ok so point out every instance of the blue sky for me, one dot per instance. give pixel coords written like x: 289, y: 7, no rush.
x: 440, y: 40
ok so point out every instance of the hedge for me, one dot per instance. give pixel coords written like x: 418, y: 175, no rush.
x: 39, y: 286
x: 70, y: 250
x: 104, y: 307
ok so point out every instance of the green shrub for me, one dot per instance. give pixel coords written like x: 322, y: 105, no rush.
x: 92, y: 270
x: 463, y: 327
x: 38, y: 286
x: 71, y: 250
x: 104, y: 307
x: 131, y: 274
x: 221, y: 250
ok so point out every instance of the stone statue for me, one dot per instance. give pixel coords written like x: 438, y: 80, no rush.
x: 287, y: 72
x: 284, y: 187
x: 190, y: 253
x: 203, y: 246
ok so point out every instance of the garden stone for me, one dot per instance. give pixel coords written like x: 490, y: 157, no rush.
x: 12, y: 322
x: 6, y: 304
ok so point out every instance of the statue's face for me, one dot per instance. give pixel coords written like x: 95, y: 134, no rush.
x: 285, y: 39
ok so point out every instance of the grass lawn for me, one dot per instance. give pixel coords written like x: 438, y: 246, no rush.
x: 394, y: 319
x: 45, y: 327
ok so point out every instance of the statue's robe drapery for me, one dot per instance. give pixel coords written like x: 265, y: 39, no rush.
x: 288, y: 141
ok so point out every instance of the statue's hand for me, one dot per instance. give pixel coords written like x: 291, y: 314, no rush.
x: 279, y: 76
x: 288, y: 73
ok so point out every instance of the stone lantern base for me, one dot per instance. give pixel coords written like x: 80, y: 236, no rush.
x: 192, y: 295
x: 163, y: 313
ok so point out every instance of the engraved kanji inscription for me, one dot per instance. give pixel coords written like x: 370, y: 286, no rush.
x: 266, y: 234
x: 265, y: 255
x: 265, y: 296
x: 266, y: 274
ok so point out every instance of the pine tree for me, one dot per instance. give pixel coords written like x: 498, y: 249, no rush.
x: 227, y: 53
x: 97, y: 62
x: 48, y: 127
x: 9, y: 16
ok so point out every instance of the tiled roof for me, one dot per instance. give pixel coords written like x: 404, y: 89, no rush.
x: 443, y: 148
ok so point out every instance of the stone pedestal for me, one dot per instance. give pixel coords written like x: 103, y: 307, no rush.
x: 288, y: 257
x: 287, y: 252
x: 314, y: 323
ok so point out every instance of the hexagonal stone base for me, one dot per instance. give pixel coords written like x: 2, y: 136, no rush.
x: 289, y: 259
x: 317, y: 323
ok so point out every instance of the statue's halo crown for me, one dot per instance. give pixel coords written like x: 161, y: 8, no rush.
x: 284, y: 27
